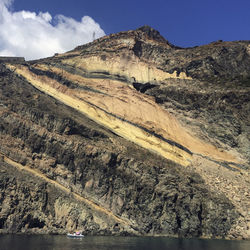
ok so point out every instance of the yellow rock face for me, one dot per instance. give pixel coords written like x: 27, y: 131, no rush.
x: 119, y: 107
x: 127, y: 66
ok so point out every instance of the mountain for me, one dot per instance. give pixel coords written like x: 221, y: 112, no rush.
x: 127, y: 135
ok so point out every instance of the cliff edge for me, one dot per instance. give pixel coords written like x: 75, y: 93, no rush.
x: 128, y: 134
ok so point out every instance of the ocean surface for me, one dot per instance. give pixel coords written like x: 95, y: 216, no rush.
x: 26, y: 242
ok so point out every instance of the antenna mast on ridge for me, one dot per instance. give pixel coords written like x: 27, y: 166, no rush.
x: 93, y: 35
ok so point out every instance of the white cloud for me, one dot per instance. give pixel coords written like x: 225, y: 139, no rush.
x: 34, y: 36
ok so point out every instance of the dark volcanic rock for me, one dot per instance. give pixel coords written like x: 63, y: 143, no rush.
x: 158, y: 196
x: 61, y: 171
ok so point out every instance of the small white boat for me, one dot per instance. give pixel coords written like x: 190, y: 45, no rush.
x: 75, y: 235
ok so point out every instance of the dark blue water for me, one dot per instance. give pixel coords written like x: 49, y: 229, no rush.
x: 21, y: 242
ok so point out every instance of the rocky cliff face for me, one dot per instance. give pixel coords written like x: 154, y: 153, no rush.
x: 127, y: 135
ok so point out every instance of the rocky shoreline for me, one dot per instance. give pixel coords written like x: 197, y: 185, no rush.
x: 63, y: 170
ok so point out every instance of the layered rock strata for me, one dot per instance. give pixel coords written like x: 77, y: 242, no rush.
x: 127, y: 135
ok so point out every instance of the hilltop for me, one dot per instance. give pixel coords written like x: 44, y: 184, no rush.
x: 129, y: 134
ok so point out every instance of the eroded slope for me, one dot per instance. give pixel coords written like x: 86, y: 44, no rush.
x: 134, y: 191
x: 140, y: 87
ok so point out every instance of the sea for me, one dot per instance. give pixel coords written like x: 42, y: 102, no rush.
x: 50, y: 242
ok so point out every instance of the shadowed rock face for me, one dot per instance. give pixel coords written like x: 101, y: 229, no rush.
x: 127, y: 135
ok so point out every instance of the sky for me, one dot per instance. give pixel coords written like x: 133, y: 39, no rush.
x: 35, y: 29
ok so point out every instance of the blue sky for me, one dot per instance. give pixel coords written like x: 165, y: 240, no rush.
x: 36, y: 29
x: 182, y: 22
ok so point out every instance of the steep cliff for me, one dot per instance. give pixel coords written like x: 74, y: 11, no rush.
x: 127, y: 135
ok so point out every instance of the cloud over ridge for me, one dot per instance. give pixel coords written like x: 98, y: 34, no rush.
x: 34, y: 36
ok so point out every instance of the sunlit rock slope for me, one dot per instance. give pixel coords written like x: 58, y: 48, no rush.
x: 127, y: 135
